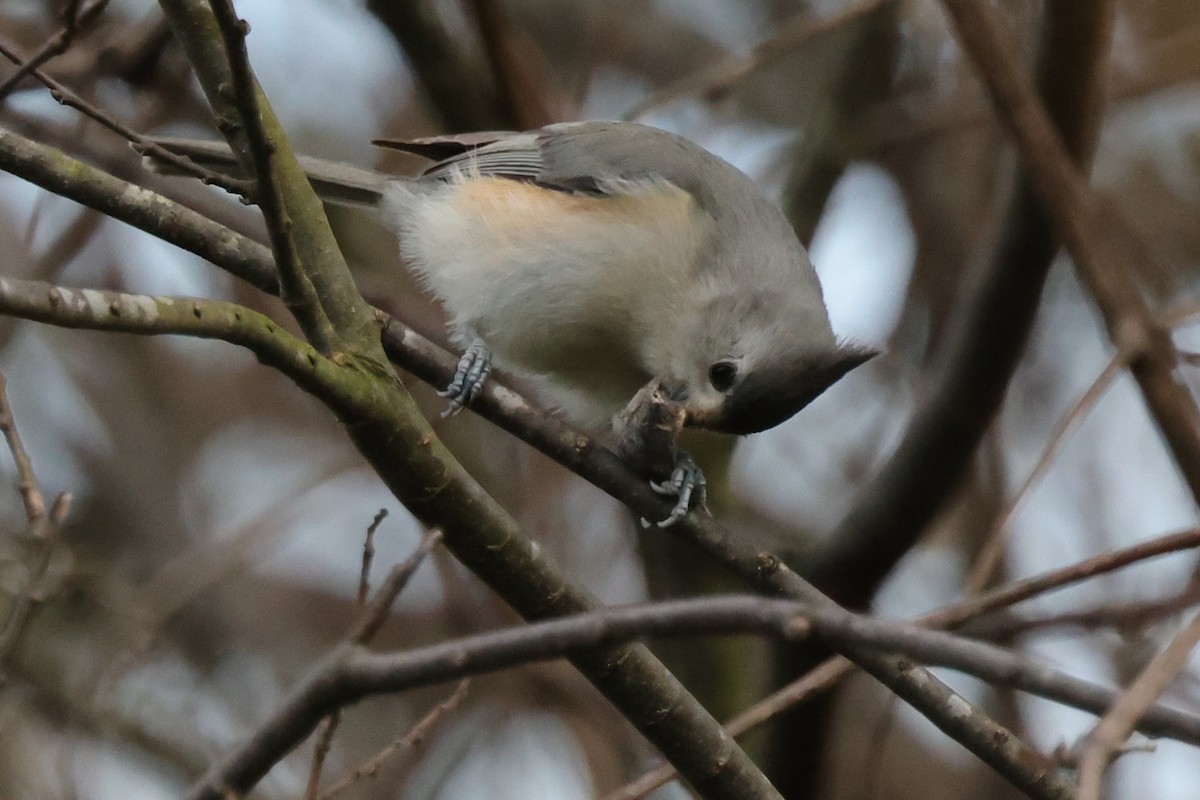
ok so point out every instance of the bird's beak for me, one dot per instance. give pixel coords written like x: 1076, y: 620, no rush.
x: 765, y: 401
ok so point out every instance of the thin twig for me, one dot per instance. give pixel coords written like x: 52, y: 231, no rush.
x: 27, y: 482
x: 43, y: 531
x: 329, y: 725
x: 370, y: 767
x: 1107, y: 738
x: 1123, y: 616
x: 368, y: 556
x: 321, y: 748
x: 56, y: 45
x: 375, y: 614
x: 142, y: 144
x: 32, y: 594
x: 298, y: 291
x: 995, y: 540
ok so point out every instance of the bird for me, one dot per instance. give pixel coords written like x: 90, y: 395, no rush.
x: 596, y: 258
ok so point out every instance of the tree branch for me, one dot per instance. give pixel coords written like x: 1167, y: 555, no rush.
x: 944, y: 433
x: 1104, y: 741
x: 350, y: 674
x: 830, y: 671
x: 1096, y: 244
x: 141, y: 208
x: 56, y: 45
x: 316, y: 281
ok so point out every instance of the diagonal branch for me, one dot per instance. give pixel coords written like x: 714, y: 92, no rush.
x: 245, y: 119
x: 1104, y: 741
x: 141, y: 208
x: 66, y: 97
x: 56, y: 45
x: 1097, y: 246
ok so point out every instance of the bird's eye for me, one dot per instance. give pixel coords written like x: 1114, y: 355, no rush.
x: 722, y: 374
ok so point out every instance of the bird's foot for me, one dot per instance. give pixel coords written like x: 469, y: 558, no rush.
x: 473, y: 370
x: 686, y: 484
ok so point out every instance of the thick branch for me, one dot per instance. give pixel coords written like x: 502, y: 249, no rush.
x: 149, y: 211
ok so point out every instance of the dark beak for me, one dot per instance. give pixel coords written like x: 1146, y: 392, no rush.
x: 764, y: 401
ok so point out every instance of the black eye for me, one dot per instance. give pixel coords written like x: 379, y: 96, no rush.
x: 722, y: 374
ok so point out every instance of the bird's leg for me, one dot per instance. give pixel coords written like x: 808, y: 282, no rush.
x: 645, y: 438
x: 473, y: 370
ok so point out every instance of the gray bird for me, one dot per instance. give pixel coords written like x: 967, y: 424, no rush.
x: 596, y: 257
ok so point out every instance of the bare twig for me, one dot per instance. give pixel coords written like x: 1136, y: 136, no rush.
x: 144, y: 145
x: 994, y: 541
x: 321, y: 748
x: 1013, y: 593
x: 1107, y: 738
x: 27, y: 482
x: 370, y: 767
x: 32, y: 595
x: 298, y: 291
x: 75, y: 18
x: 43, y: 531
x: 368, y: 556
x: 375, y: 614
x: 1124, y: 616
x: 329, y: 725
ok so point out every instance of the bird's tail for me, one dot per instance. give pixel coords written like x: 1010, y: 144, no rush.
x: 334, y: 181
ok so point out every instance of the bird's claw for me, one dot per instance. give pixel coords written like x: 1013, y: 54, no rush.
x: 686, y: 482
x: 469, y: 378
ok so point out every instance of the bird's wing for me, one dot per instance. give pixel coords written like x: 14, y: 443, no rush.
x: 556, y: 157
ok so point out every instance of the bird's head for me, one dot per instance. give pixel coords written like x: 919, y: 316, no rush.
x: 753, y: 360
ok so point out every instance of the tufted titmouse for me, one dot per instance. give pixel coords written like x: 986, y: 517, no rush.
x: 596, y: 257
